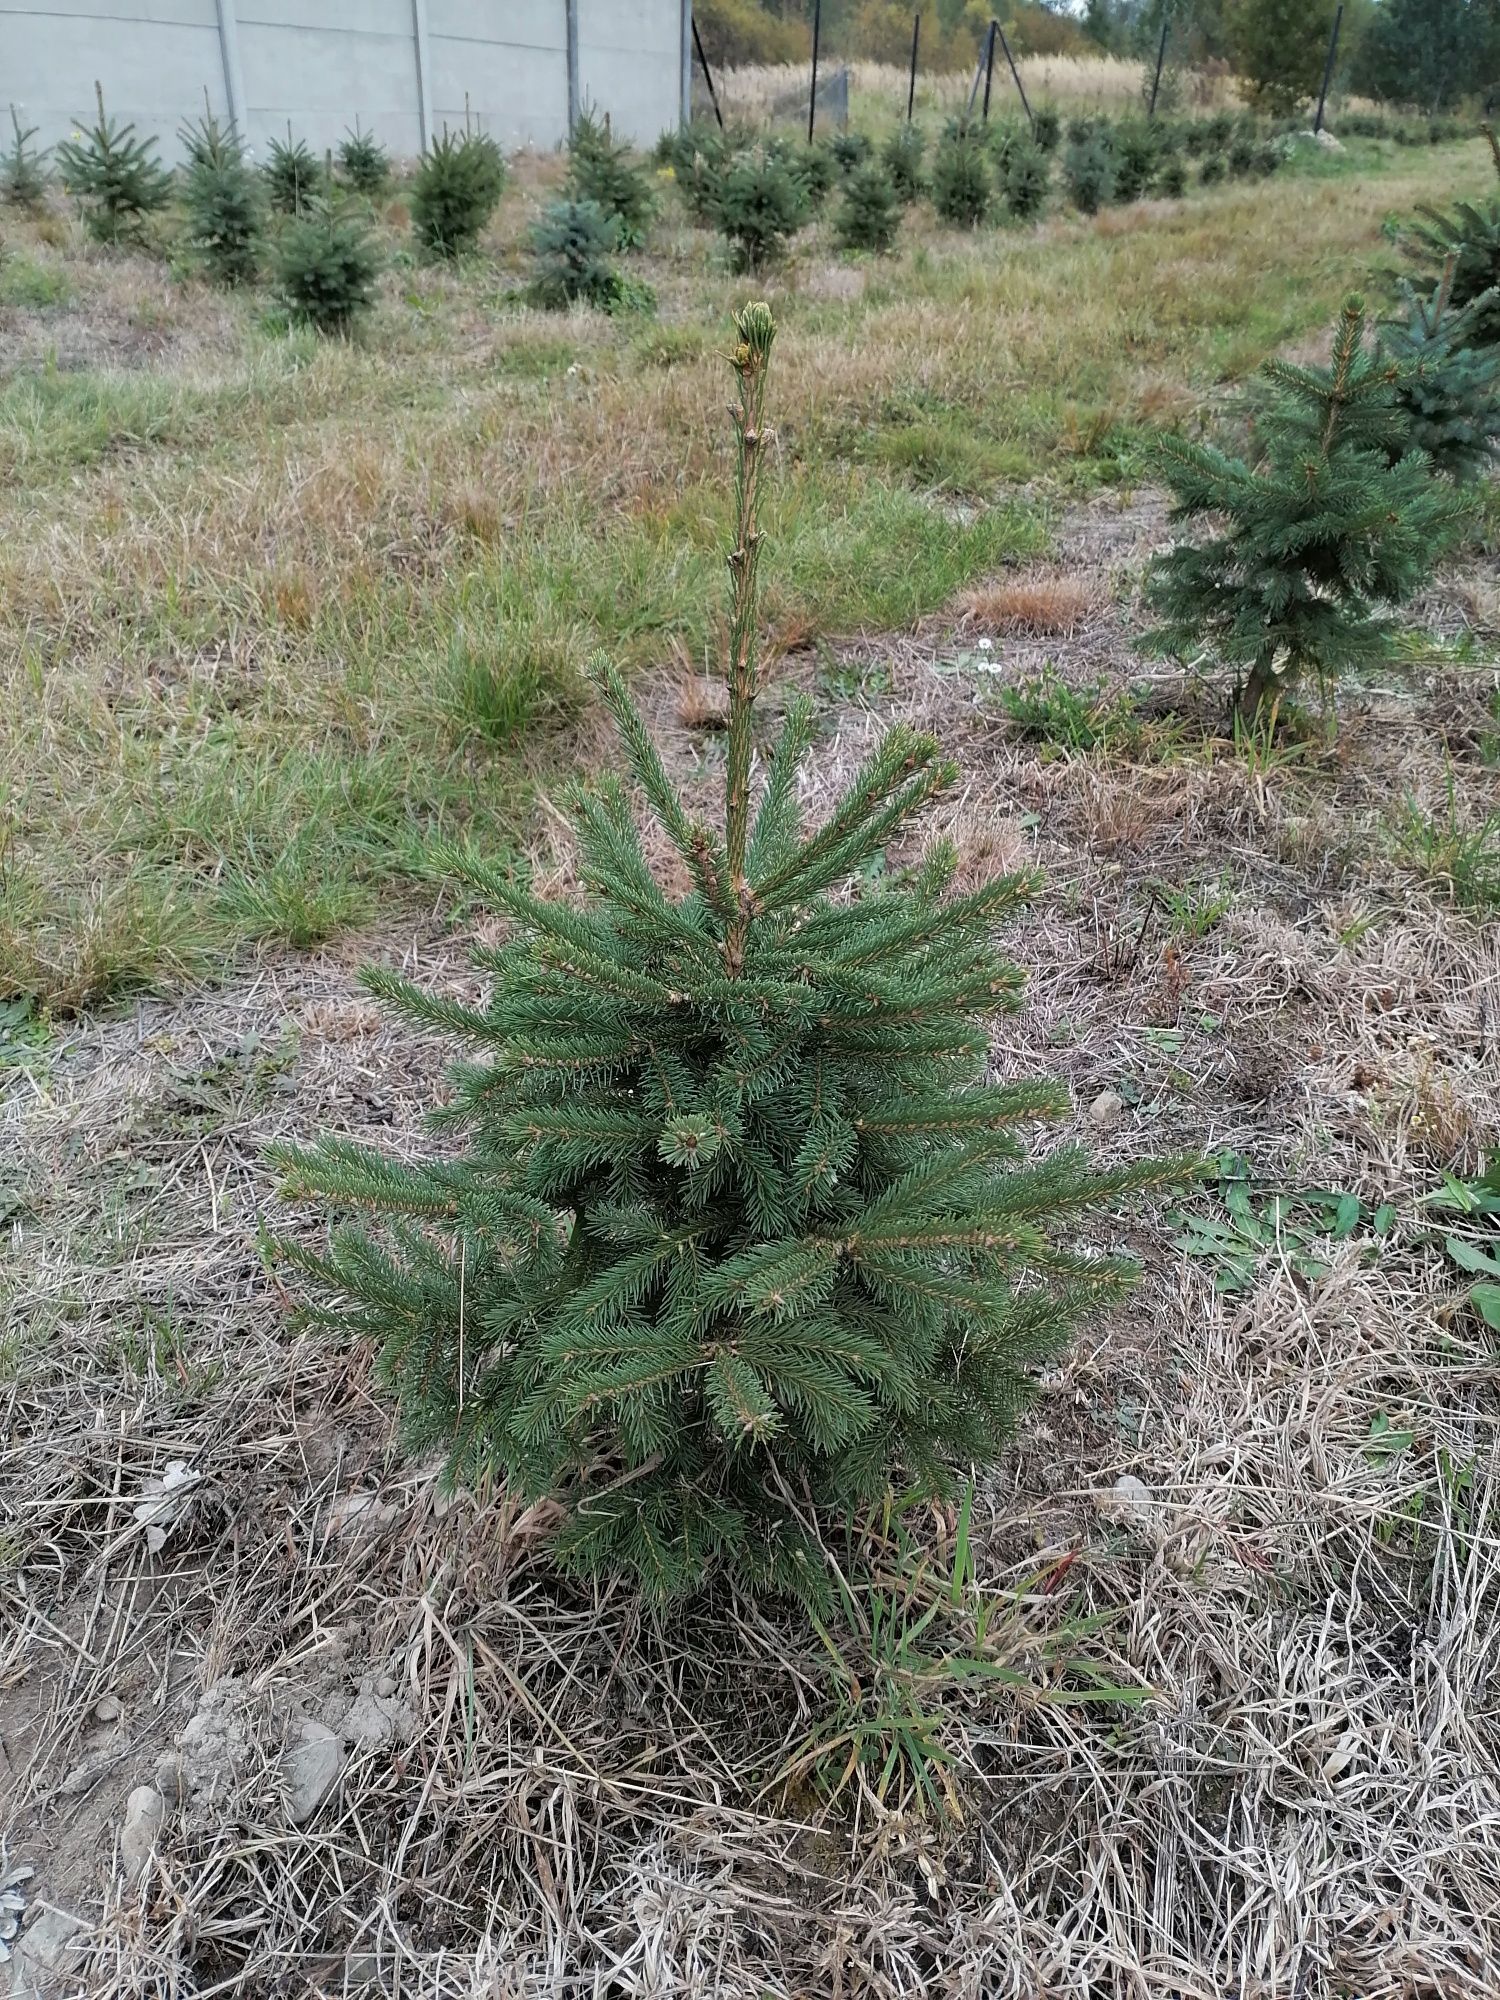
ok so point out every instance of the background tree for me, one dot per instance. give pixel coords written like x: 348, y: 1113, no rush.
x: 1429, y: 53
x: 1278, y: 48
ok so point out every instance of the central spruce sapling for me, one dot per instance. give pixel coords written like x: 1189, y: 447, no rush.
x: 870, y: 213
x: 573, y: 245
x: 744, y: 1228
x: 759, y: 205
x: 901, y: 157
x: 326, y: 269
x: 458, y: 181
x: 293, y: 176
x: 963, y: 188
x: 23, y: 174
x: 1333, y: 522
x: 221, y: 199
x: 363, y: 162
x: 602, y: 171
x: 1027, y: 179
x: 1089, y: 173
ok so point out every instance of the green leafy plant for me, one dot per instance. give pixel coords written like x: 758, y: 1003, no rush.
x: 23, y: 173
x: 1045, y: 709
x: 604, y: 172
x: 573, y: 244
x: 1028, y: 178
x: 222, y: 202
x: 744, y: 1230
x: 115, y: 177
x: 870, y: 213
x: 363, y: 162
x: 326, y: 269
x: 1449, y: 385
x: 963, y: 188
x: 1089, y: 174
x: 1257, y: 1225
x: 902, y: 156
x: 293, y: 176
x: 458, y: 182
x: 1330, y: 527
x: 760, y: 205
x: 1471, y: 1240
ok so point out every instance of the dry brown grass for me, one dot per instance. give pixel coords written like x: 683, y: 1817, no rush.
x: 1074, y: 83
x: 1037, y: 607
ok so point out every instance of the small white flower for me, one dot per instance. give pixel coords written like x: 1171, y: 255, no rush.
x: 986, y: 645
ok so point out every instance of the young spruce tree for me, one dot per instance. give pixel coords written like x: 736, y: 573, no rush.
x: 1336, y: 520
x: 744, y: 1228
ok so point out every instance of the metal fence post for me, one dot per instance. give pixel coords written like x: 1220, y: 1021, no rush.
x: 911, y: 88
x: 424, y: 71
x: 1161, y: 56
x: 812, y: 95
x: 1333, y: 49
x: 229, y: 54
x: 571, y: 10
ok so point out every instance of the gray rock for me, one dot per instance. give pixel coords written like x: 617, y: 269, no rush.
x: 109, y: 1709
x: 145, y: 1816
x: 1107, y: 1109
x: 310, y: 1768
x: 43, y: 1956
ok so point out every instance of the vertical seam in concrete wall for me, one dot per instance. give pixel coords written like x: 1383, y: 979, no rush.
x: 685, y: 110
x: 229, y: 52
x: 424, y: 71
x: 570, y: 8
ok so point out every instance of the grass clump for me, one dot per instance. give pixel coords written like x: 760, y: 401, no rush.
x: 749, y: 1231
x: 222, y: 204
x: 363, y: 162
x: 293, y: 176
x: 1046, y: 709
x: 326, y: 268
x: 115, y: 177
x: 23, y: 173
x: 963, y: 189
x: 870, y: 214
x: 459, y: 181
x: 1455, y: 851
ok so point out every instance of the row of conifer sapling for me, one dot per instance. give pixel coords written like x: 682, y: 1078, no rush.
x: 1354, y: 480
x: 306, y: 222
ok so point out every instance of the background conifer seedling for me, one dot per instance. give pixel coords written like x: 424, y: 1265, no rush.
x: 23, y: 174
x: 115, y: 177
x: 744, y: 1229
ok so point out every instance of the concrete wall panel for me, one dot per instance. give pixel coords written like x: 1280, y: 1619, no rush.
x: 323, y: 64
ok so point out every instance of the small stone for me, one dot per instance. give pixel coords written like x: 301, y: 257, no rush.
x: 110, y: 1709
x: 386, y: 1685
x: 145, y: 1816
x: 310, y: 1768
x: 1129, y: 1501
x: 1107, y: 1109
x: 42, y: 1955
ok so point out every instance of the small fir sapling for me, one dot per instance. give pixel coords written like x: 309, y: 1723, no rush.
x: 363, y: 162
x: 326, y: 269
x: 115, y: 177
x: 1046, y: 128
x: 221, y: 199
x: 1027, y: 180
x: 1212, y: 170
x: 760, y: 206
x: 850, y: 151
x: 573, y: 245
x: 963, y: 189
x: 1173, y: 179
x: 604, y: 172
x: 458, y: 182
x: 23, y: 174
x: 1135, y: 160
x: 1468, y: 236
x: 1242, y: 156
x: 744, y: 1233
x: 1449, y: 384
x: 293, y: 176
x: 813, y: 165
x: 1312, y: 541
x: 902, y: 157
x: 1089, y: 174
x: 870, y: 213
